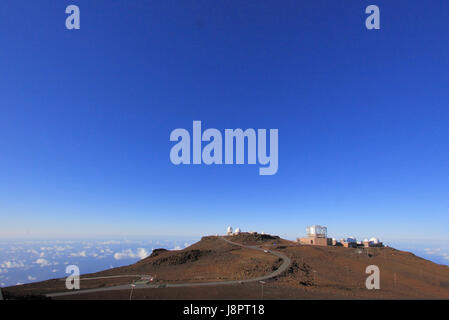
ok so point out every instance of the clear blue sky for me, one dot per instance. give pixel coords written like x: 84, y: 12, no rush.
x: 85, y: 117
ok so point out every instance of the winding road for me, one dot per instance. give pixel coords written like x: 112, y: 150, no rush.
x: 285, y: 264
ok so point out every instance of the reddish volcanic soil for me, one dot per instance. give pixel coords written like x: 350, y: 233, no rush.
x: 314, y: 273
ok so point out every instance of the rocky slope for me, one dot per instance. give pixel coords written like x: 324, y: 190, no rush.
x: 314, y: 272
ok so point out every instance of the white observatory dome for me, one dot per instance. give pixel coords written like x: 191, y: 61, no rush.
x: 351, y: 239
x: 374, y: 240
x: 366, y: 240
x: 229, y: 230
x: 237, y: 231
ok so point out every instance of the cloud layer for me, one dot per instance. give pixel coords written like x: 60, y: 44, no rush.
x: 140, y: 253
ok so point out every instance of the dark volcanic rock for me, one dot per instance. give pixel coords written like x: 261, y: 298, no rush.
x: 302, y: 272
x: 245, y: 237
x: 156, y: 252
x: 277, y: 264
x: 182, y: 257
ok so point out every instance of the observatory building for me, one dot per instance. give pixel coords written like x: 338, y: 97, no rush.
x: 317, y: 236
x: 229, y: 231
x: 350, y: 242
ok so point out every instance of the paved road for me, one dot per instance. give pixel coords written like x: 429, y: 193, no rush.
x: 111, y: 277
x: 285, y: 264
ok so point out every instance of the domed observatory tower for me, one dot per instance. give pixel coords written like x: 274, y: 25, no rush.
x: 373, y: 242
x: 317, y: 231
x: 316, y: 235
x: 350, y: 242
x: 229, y: 231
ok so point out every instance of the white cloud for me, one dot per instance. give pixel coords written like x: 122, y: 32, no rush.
x: 141, y: 253
x: 33, y: 251
x: 12, y: 264
x: 437, y: 252
x: 110, y: 242
x: 42, y: 262
x: 79, y: 254
x: 178, y: 247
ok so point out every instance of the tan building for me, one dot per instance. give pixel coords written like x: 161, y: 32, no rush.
x: 317, y: 241
x: 348, y: 244
x: 317, y: 236
x: 373, y: 242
